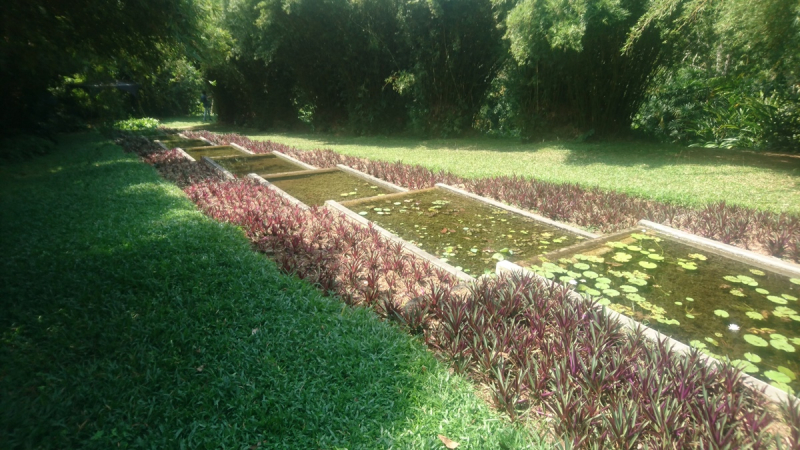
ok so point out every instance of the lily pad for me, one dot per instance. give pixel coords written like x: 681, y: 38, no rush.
x: 611, y: 292
x: 628, y: 289
x: 621, y: 257
x: 776, y: 299
x: 604, y: 302
x: 752, y: 357
x: 697, y: 344
x: 738, y: 292
x: 581, y: 266
x: 363, y: 213
x: 648, y: 264
x: 754, y: 315
x: 784, y: 311
x: 778, y: 377
x: 762, y: 291
x: 655, y: 257
x: 590, y: 274
x: 603, y: 280
x: 788, y: 372
x: 789, y: 297
x: 744, y: 366
x: 731, y: 278
x: 634, y: 297
x: 782, y: 344
x: 794, y: 280
x: 637, y: 281
x: 688, y: 265
x: 498, y: 256
x: 757, y: 272
x: 721, y: 313
x: 754, y: 340
x: 689, y: 316
x: 689, y: 299
x: 602, y: 286
x: 698, y: 256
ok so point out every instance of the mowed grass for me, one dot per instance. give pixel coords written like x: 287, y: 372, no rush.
x: 687, y: 176
x: 130, y: 320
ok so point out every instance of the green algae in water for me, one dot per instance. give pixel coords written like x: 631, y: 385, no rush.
x: 316, y: 188
x: 259, y: 164
x: 750, y: 312
x: 213, y: 152
x: 465, y: 232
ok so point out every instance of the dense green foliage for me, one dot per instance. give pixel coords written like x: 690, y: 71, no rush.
x: 130, y: 320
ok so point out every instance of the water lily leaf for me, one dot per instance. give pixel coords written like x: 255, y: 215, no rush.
x: 581, y: 266
x: 603, y: 280
x: 602, y: 286
x: 637, y: 281
x: 744, y: 366
x: 621, y: 257
x: 362, y: 213
x: 747, y: 281
x: 604, y: 302
x: 762, y: 291
x: 788, y: 372
x: 628, y: 289
x: 679, y: 303
x: 689, y: 299
x: 738, y: 292
x: 776, y: 299
x: 789, y: 297
x: 592, y: 292
x: 615, y: 244
x: 698, y: 256
x: 655, y: 257
x: 634, y: 297
x: 752, y: 339
x: 689, y: 316
x: 669, y: 321
x: 794, y: 280
x: 611, y: 292
x: 565, y: 278
x: 731, y: 278
x: 688, y: 265
x: 776, y: 376
x: 595, y: 259
x: 752, y: 357
x: 754, y: 315
x: 722, y: 313
x: 648, y: 264
x: 697, y: 344
x: 757, y: 272
x: 590, y: 274
x: 634, y: 248
x: 712, y: 341
x: 784, y: 311
x: 498, y: 256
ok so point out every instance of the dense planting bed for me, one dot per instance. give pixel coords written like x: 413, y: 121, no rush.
x: 539, y: 354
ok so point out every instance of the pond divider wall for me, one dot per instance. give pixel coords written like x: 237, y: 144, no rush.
x: 295, y: 161
x: 219, y: 169
x: 260, y: 180
x: 772, y: 393
x: 718, y: 248
x: 183, y: 136
x: 518, y: 211
x: 411, y: 248
x: 239, y: 147
x: 183, y: 153
x: 374, y: 180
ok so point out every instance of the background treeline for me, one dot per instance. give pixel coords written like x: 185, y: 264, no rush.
x: 702, y: 72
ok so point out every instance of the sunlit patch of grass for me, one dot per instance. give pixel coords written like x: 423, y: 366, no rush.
x: 689, y: 176
x: 130, y: 319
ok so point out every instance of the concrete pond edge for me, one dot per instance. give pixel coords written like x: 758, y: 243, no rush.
x: 770, y: 392
x: 260, y: 180
x: 293, y: 160
x: 219, y: 169
x: 374, y: 180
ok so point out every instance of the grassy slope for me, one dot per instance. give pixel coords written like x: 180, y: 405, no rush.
x: 128, y: 317
x: 663, y: 172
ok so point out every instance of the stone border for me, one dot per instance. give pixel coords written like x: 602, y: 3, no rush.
x: 728, y: 251
x: 239, y: 147
x: 374, y: 180
x: 772, y: 393
x: 576, y: 248
x: 515, y: 210
x: 298, y: 173
x: 183, y: 136
x: 186, y: 155
x: 293, y: 160
x: 219, y: 169
x: 260, y: 180
x: 411, y: 248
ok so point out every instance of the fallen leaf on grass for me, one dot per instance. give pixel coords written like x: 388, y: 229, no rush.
x: 448, y: 443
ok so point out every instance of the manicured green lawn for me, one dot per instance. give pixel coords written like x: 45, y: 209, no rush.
x: 129, y: 319
x: 690, y: 176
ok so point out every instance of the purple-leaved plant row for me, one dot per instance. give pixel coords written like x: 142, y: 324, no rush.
x: 771, y: 233
x: 541, y: 355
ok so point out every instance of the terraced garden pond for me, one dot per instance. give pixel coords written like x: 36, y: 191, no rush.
x: 177, y: 141
x: 465, y: 232
x: 213, y: 151
x: 723, y: 307
x: 259, y: 164
x: 317, y: 186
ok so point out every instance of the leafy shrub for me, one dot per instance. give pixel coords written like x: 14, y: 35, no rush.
x: 144, y: 124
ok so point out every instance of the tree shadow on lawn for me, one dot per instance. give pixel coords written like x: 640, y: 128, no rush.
x: 130, y: 318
